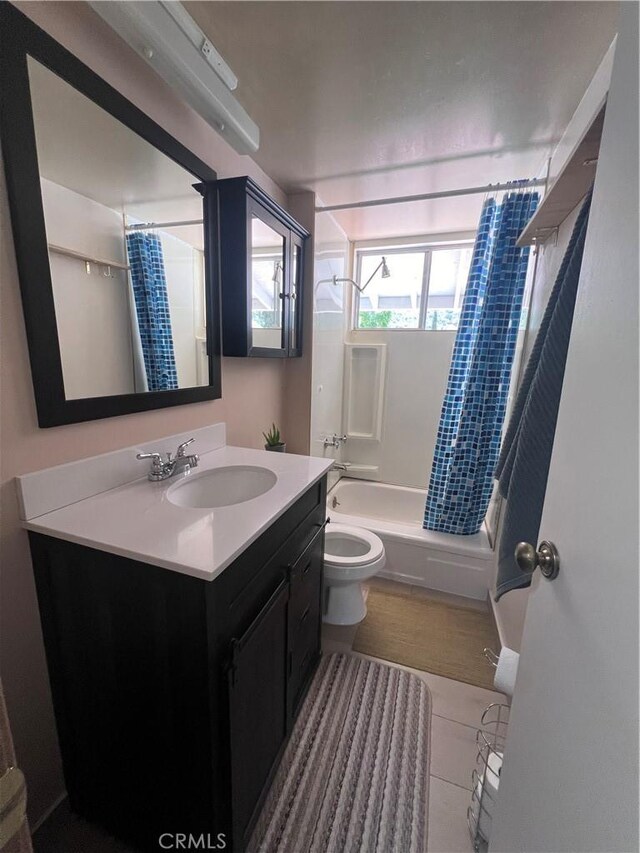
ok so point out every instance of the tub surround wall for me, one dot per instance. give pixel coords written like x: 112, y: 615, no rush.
x: 184, y: 268
x: 416, y: 378
x: 296, y: 423
x: 417, y: 370
x: 331, y: 257
x: 92, y: 319
x: 253, y: 394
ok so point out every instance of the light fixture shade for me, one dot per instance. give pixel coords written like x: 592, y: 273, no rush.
x: 156, y: 35
x: 385, y: 269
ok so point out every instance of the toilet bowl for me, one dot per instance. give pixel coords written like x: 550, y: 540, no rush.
x: 351, y: 555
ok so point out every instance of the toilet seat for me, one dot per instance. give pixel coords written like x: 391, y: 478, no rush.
x: 341, y: 536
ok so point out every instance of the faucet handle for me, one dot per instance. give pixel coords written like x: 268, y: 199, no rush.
x: 157, y: 458
x: 156, y: 461
x: 181, y: 447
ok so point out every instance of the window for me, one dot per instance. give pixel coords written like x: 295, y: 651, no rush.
x: 424, y: 288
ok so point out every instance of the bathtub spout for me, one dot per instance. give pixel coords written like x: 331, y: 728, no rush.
x: 341, y: 466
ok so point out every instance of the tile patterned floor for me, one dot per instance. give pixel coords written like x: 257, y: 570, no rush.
x: 456, y: 716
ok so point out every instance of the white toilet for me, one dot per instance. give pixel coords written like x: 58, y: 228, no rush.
x: 351, y: 555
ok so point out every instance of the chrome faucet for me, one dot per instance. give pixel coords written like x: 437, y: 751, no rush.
x: 341, y: 466
x: 162, y: 469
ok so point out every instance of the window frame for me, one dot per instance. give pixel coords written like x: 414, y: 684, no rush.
x: 398, y: 249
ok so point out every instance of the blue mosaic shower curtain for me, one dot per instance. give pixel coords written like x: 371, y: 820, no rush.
x: 474, y: 405
x: 152, y: 307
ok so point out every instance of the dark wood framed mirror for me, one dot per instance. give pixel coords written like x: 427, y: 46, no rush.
x: 115, y: 227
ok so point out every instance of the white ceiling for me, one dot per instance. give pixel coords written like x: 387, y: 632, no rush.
x: 359, y: 100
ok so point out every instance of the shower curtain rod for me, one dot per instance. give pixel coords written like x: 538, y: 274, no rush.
x: 376, y: 202
x: 148, y: 226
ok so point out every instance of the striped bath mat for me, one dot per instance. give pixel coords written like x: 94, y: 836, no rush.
x: 355, y: 774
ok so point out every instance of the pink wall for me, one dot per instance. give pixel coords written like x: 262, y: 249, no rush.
x: 253, y: 393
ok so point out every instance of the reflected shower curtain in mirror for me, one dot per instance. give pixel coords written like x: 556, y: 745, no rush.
x: 152, y: 308
x: 475, y: 401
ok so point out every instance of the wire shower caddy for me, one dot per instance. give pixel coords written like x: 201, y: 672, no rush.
x: 490, y: 740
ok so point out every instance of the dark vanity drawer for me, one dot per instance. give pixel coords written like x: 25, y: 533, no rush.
x: 305, y: 648
x: 235, y: 615
x: 285, y: 540
x: 306, y: 575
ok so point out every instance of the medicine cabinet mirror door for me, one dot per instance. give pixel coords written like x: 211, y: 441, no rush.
x: 269, y: 267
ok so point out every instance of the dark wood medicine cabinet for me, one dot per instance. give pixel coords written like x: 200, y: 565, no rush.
x: 262, y: 252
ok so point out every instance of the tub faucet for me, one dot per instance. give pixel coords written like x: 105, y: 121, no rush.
x: 163, y: 469
x: 335, y: 440
x: 341, y: 466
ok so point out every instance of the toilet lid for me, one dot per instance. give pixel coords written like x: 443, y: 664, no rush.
x: 351, y: 546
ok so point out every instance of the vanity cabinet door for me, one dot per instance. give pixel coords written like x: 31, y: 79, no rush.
x: 304, y: 620
x: 257, y: 708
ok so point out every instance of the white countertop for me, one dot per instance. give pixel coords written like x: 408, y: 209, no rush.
x: 138, y: 521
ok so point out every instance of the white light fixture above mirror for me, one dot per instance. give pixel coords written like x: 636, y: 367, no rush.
x: 170, y: 41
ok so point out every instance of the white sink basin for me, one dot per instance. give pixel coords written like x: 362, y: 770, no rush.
x: 234, y: 484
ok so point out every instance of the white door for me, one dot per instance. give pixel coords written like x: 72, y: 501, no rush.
x: 570, y: 776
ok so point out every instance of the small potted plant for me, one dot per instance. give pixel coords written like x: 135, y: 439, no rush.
x: 273, y: 440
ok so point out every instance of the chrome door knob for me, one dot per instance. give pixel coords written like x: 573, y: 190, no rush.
x: 546, y: 558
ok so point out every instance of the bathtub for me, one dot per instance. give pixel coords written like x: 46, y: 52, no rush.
x: 461, y: 565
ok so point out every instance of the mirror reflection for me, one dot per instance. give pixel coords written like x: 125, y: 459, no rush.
x: 126, y: 249
x: 267, y: 284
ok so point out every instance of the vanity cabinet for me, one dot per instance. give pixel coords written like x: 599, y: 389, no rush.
x: 174, y: 696
x: 261, y: 272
